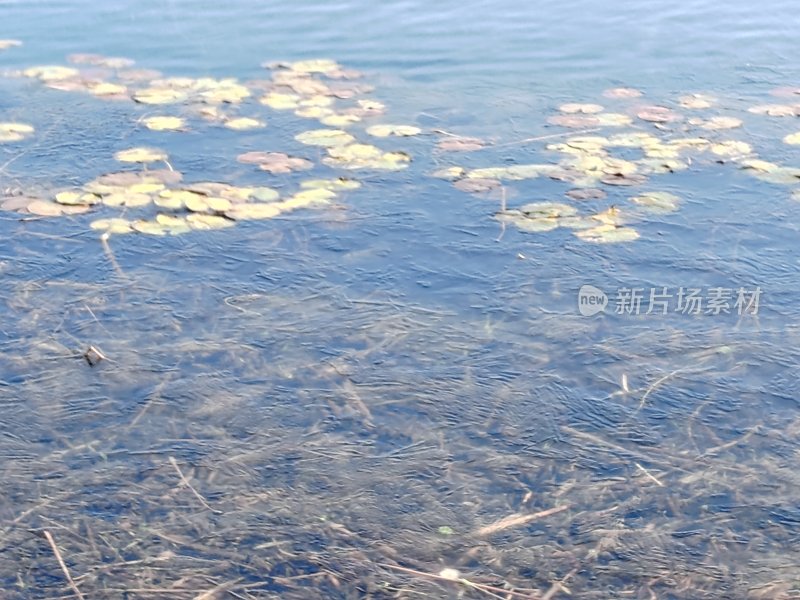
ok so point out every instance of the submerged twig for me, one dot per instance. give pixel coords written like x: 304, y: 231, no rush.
x: 49, y: 537
x: 453, y: 575
x: 551, y: 136
x: 648, y: 474
x: 517, y: 520
x: 110, y: 254
x: 185, y: 482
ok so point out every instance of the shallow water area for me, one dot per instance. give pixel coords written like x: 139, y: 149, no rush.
x: 357, y: 392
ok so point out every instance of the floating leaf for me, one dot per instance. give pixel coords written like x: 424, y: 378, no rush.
x: 775, y: 110
x: 574, y: 107
x: 253, y: 211
x: 718, y: 123
x: 98, y: 60
x: 792, y: 138
x: 128, y: 199
x: 44, y: 208
x: 14, y: 132
x: 587, y: 143
x: 115, y: 225
x: 264, y: 194
x: 244, y: 123
x: 281, y: 101
x: 574, y: 121
x: 607, y: 234
x: 760, y: 165
x: 696, y: 101
x: 328, y: 138
x: 141, y: 155
x: 365, y: 156
x: 779, y: 176
x: 460, y: 144
x: 146, y: 187
x: 538, y: 210
x: 164, y: 123
x: 173, y: 224
x: 320, y: 65
x: 224, y: 92
x: 695, y: 143
x: 307, y: 198
x: 657, y: 114
x: 450, y: 173
x: 148, y: 227
x: 577, y: 222
x: 275, y: 162
x: 160, y: 95
x: 316, y: 100
x: 613, y: 120
x: 475, y: 185
x: 393, y: 130
x: 17, y: 203
x: 513, y: 172
x: 313, y: 112
x: 633, y: 140
x: 533, y: 225
x: 169, y: 202
x: 661, y: 165
x: 51, y: 72
x: 586, y: 194
x: 731, y: 148
x: 337, y: 120
x: 622, y: 92
x: 661, y: 151
x: 105, y: 89
x: 339, y: 183
x: 75, y: 198
x: 206, y: 222
x: 659, y: 202
x: 623, y: 179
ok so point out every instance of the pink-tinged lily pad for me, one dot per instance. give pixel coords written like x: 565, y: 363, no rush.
x: 572, y: 108
x: 460, y: 144
x: 17, y: 203
x: 775, y: 110
x: 623, y: 179
x: 586, y: 194
x: 622, y: 92
x: 574, y: 121
x: 275, y: 162
x: 657, y: 114
x: 476, y: 185
x: 785, y: 92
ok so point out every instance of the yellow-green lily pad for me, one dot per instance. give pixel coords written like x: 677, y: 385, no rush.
x: 659, y: 202
x: 244, y: 124
x: 113, y: 225
x: 164, y: 123
x: 393, y: 130
x: 140, y: 155
x: 608, y: 234
x: 328, y: 138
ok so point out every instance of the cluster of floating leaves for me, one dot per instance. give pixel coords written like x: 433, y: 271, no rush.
x: 180, y: 208
x: 650, y: 140
x: 321, y: 90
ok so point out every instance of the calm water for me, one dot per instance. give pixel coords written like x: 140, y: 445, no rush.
x: 298, y: 407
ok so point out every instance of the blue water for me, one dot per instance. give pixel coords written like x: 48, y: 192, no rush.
x: 337, y: 385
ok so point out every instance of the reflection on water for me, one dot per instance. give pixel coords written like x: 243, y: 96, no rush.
x: 306, y: 406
